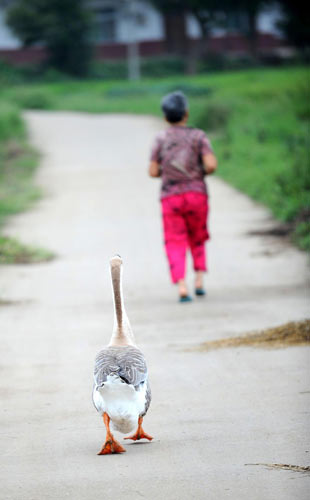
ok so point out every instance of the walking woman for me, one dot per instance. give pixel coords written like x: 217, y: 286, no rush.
x: 182, y: 156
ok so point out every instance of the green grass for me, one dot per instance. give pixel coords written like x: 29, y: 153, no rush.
x: 14, y: 252
x: 143, y: 97
x: 258, y: 121
x: 17, y: 165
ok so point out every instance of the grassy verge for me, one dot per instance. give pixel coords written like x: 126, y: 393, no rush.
x: 263, y: 149
x: 258, y: 121
x: 17, y: 165
x: 14, y: 252
x: 289, y: 334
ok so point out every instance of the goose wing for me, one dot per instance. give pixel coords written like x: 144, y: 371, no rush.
x: 126, y: 362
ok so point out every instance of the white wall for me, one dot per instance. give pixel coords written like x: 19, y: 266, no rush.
x: 268, y: 18
x: 148, y: 24
x: 192, y: 27
x: 7, y: 39
x: 266, y: 23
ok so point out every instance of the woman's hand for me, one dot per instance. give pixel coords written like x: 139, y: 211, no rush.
x: 154, y: 169
x: 209, y: 162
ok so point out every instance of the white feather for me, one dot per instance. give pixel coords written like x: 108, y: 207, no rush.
x: 121, y: 402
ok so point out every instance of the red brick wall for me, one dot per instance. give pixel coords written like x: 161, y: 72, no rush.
x: 230, y: 44
x: 23, y: 56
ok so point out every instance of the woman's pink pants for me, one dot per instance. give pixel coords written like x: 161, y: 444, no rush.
x: 185, y: 225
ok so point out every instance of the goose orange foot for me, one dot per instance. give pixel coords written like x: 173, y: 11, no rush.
x: 139, y: 434
x: 111, y: 445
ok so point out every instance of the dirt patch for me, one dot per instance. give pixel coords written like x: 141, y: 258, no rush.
x: 293, y: 333
x: 7, y: 302
x: 4, y: 302
x: 279, y: 231
x: 295, y: 468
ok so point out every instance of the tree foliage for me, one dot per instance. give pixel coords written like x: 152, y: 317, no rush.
x: 296, y: 24
x: 63, y: 26
x: 205, y: 11
x: 171, y: 6
x: 215, y: 13
x: 251, y: 10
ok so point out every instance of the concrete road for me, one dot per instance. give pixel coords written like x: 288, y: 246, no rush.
x: 212, y: 413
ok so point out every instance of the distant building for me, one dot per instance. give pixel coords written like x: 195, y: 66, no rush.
x: 116, y: 24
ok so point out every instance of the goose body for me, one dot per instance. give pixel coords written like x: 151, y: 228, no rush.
x: 121, y: 392
x: 122, y: 388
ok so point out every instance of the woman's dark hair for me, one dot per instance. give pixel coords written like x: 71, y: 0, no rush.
x: 174, y: 106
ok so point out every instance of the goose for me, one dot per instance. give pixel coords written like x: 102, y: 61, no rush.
x: 121, y: 392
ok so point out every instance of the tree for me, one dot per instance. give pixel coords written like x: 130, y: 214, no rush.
x: 296, y: 24
x: 207, y: 14
x: 63, y: 26
x: 174, y: 14
x: 205, y: 11
x: 250, y: 9
x: 214, y: 13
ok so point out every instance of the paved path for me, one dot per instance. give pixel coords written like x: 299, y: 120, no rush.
x: 212, y: 413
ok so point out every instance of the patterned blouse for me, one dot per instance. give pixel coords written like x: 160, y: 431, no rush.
x: 179, y: 150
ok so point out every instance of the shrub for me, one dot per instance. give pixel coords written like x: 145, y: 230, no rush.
x: 157, y: 67
x: 294, y: 188
x: 29, y: 73
x: 154, y: 67
x: 11, y: 123
x: 34, y: 99
x: 214, y: 116
x: 300, y: 98
x: 213, y: 62
x: 109, y: 70
x: 9, y: 75
x: 302, y: 235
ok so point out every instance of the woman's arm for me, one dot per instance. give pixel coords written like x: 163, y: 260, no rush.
x: 154, y: 169
x: 209, y: 162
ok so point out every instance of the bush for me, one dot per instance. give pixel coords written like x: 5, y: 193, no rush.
x: 109, y: 70
x: 29, y: 73
x: 11, y: 123
x: 9, y: 75
x: 51, y: 75
x: 213, y: 62
x: 302, y: 235
x: 157, y: 67
x: 300, y: 99
x: 154, y: 67
x: 34, y: 99
x: 294, y: 188
x: 221, y: 62
x: 214, y: 116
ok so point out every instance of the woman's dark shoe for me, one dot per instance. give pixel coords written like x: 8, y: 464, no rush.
x: 185, y: 298
x: 200, y: 292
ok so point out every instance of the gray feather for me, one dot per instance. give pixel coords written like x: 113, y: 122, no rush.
x: 127, y: 362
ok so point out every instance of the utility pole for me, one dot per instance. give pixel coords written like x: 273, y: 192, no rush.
x: 133, y: 57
